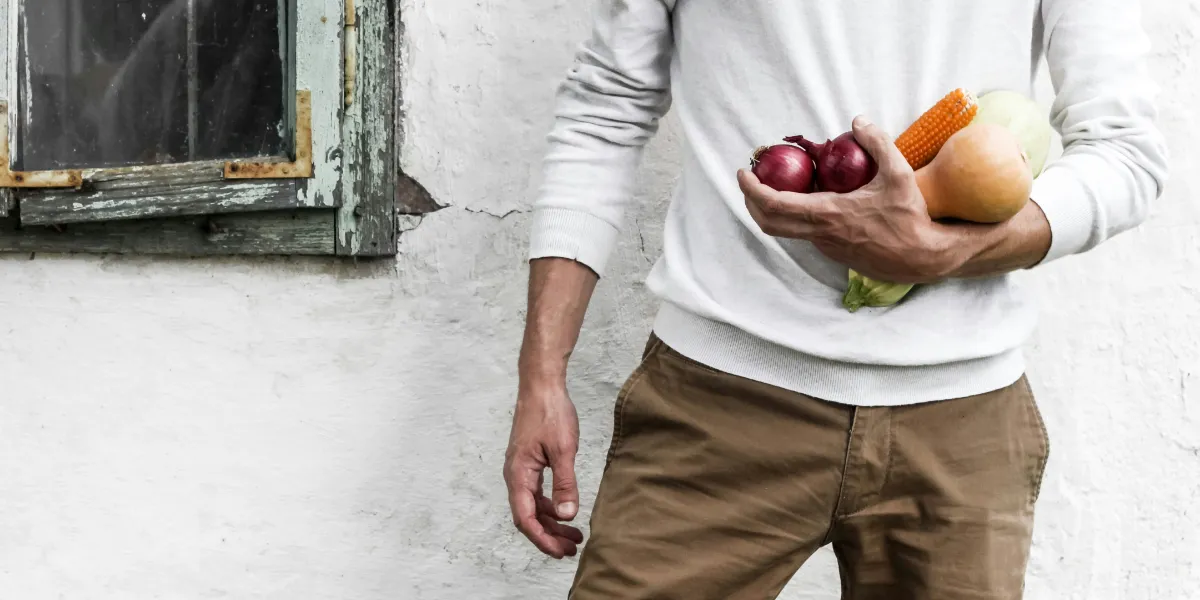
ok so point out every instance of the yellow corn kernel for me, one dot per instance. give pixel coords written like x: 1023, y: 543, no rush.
x: 923, y: 139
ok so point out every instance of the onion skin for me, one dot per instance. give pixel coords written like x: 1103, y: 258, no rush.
x: 842, y: 164
x: 784, y: 168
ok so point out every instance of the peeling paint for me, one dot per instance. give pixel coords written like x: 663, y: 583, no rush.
x: 319, y: 69
x: 366, y: 218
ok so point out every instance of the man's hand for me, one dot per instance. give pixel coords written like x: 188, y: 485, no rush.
x: 545, y: 434
x: 882, y: 230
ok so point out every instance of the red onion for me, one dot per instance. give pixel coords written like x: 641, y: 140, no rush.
x: 784, y: 168
x: 842, y: 164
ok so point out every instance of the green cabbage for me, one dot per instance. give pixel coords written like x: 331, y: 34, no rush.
x: 1022, y: 116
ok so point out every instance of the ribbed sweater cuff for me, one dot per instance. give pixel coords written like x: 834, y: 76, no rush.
x: 573, y: 234
x: 1069, y: 206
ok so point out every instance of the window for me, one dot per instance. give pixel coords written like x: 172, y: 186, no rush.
x: 198, y: 126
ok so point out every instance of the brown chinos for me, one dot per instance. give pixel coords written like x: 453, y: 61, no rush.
x: 718, y: 487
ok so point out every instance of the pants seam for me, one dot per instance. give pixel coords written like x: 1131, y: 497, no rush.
x: 837, y: 507
x: 887, y: 469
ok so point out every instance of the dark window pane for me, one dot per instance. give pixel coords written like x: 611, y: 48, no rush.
x: 107, y: 83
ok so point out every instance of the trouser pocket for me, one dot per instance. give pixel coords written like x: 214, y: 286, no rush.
x: 631, y: 382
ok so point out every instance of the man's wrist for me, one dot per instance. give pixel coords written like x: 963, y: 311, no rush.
x: 538, y: 372
x: 969, y: 242
x: 542, y: 378
x: 950, y: 248
x: 976, y: 250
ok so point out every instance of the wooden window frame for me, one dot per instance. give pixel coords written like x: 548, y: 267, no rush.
x: 337, y: 196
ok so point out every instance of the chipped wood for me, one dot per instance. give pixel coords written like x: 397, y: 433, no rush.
x: 136, y: 202
x: 297, y: 232
x: 367, y: 218
x: 168, y: 190
x: 7, y: 202
x: 350, y: 49
x: 29, y: 179
x: 319, y: 69
x: 301, y: 167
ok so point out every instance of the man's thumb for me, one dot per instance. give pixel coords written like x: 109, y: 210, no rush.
x: 877, y: 143
x: 565, y: 489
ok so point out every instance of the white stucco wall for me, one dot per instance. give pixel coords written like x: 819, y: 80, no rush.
x: 297, y: 429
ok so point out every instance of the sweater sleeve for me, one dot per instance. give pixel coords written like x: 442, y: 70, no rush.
x: 1114, y: 162
x: 607, y: 109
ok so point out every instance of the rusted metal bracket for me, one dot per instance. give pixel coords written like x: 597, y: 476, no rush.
x: 350, y: 52
x: 301, y: 168
x: 30, y: 179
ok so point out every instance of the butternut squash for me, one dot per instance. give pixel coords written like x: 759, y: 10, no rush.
x: 981, y: 175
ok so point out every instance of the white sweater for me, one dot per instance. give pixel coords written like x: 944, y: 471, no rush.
x: 741, y: 74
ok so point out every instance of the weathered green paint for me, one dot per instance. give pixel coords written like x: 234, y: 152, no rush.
x: 319, y: 69
x: 296, y: 232
x: 367, y: 219
x: 154, y: 192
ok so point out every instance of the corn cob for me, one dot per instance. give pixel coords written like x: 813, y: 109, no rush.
x: 919, y: 144
x: 923, y: 139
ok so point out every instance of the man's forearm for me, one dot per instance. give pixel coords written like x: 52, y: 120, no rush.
x: 559, y: 292
x: 990, y: 250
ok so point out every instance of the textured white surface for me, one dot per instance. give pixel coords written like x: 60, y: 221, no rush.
x: 270, y: 429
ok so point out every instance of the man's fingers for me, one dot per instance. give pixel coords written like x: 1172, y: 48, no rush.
x: 754, y: 190
x: 881, y: 147
x: 532, y: 527
x: 765, y: 199
x: 782, y: 214
x: 546, y: 507
x: 566, y: 539
x: 552, y: 538
x: 524, y: 489
x: 566, y: 532
x: 565, y: 488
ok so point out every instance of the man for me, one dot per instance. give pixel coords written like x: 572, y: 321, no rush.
x: 766, y: 421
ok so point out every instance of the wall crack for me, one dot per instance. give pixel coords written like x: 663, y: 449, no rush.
x: 498, y: 216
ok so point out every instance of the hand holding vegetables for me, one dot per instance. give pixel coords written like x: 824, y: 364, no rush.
x: 974, y: 161
x: 882, y: 229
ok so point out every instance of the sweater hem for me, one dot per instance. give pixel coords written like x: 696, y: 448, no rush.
x: 731, y: 350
